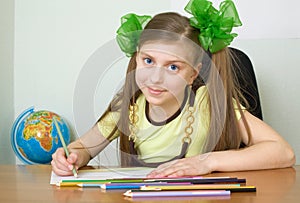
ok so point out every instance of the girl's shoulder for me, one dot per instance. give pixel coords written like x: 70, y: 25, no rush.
x: 201, y: 90
x: 201, y: 95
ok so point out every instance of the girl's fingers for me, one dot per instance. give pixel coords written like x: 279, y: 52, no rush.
x: 164, y: 169
x: 183, y: 167
x: 72, y: 159
x: 60, y: 164
x: 59, y: 171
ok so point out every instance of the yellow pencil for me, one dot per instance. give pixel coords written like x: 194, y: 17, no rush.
x: 64, y: 144
x: 73, y: 184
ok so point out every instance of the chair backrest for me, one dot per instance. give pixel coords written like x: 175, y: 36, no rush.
x: 247, y: 81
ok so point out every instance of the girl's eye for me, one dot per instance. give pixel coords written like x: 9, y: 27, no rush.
x: 173, y: 67
x: 148, y: 61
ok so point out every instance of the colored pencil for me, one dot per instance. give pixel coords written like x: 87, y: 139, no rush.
x: 95, y: 183
x: 89, y: 185
x: 64, y: 144
x: 132, y: 193
x: 196, y: 180
x: 112, y: 186
x: 232, y: 188
x: 105, y: 181
x: 115, y: 185
x: 200, y: 180
x: 185, y: 178
x: 193, y: 180
x: 60, y: 184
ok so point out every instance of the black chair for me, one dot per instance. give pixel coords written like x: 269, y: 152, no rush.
x: 247, y: 81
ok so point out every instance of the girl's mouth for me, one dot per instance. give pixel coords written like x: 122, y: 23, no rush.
x: 155, y: 91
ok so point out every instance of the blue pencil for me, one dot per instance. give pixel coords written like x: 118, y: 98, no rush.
x: 119, y: 186
x: 138, y: 185
x: 111, y: 186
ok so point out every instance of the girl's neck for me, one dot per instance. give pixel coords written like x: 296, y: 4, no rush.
x: 163, y: 114
x: 160, y: 114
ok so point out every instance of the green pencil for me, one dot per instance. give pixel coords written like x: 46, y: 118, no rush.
x: 64, y: 144
x: 105, y: 181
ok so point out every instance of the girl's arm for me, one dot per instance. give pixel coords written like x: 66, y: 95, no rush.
x: 267, y: 150
x: 89, y: 145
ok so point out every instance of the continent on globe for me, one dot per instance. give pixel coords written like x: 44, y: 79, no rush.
x: 39, y: 126
x: 34, y: 137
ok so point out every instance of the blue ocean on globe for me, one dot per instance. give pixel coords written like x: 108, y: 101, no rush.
x: 34, y: 137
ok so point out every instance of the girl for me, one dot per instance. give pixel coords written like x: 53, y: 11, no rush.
x: 179, y: 111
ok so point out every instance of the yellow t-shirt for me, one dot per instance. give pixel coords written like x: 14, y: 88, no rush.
x: 161, y: 143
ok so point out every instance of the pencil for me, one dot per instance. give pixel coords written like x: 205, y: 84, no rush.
x: 99, y: 185
x: 232, y: 188
x: 131, y: 193
x: 209, y: 180
x: 105, y: 181
x: 64, y: 144
x: 111, y: 186
x: 61, y: 184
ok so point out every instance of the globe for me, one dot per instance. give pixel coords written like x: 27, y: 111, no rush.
x: 34, y: 136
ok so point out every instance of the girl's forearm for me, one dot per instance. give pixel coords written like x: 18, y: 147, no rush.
x: 264, y: 155
x: 89, y: 145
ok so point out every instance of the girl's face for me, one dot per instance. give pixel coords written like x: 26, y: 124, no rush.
x: 163, y: 72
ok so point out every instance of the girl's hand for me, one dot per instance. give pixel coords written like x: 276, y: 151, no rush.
x: 192, y: 166
x: 61, y: 165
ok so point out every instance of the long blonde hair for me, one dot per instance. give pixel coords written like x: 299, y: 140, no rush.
x: 222, y: 135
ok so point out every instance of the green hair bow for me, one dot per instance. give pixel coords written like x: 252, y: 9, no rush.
x: 215, y: 26
x: 129, y: 32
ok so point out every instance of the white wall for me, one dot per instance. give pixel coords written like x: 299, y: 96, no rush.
x: 56, y: 43
x: 261, y: 19
x: 6, y: 79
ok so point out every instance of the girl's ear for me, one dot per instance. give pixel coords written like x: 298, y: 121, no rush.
x: 196, y: 71
x: 198, y: 67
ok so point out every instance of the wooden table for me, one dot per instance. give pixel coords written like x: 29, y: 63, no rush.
x: 30, y: 183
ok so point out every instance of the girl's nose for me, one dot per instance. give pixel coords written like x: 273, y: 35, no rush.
x: 157, y: 75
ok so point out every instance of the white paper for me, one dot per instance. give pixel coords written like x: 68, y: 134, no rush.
x: 102, y: 174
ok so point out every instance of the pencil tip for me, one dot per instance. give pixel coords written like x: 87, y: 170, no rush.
x: 127, y: 193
